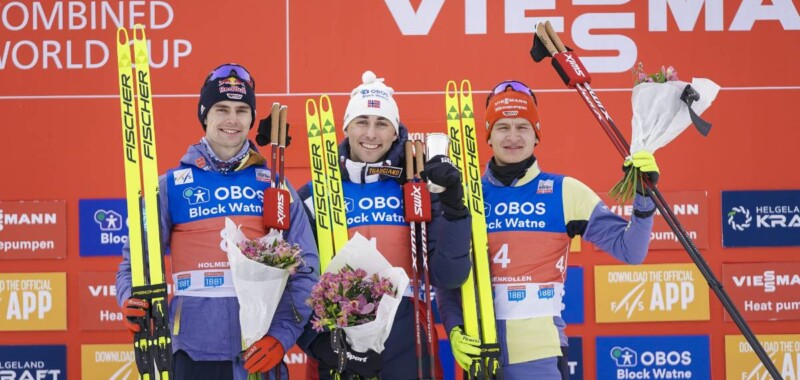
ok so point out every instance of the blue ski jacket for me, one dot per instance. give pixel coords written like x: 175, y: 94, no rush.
x: 194, y: 200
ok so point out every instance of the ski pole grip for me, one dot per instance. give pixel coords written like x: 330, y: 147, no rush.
x: 274, y: 116
x: 571, y: 69
x: 282, y: 126
x: 409, y: 160
x: 275, y: 213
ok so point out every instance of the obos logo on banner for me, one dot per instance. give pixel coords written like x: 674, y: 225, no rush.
x: 573, y: 297
x: 109, y: 361
x: 103, y: 226
x: 764, y: 291
x: 33, y: 229
x: 690, y: 206
x: 575, y: 358
x: 33, y: 362
x: 657, y: 292
x: 33, y: 301
x: 761, y: 218
x: 742, y: 363
x: 653, y: 357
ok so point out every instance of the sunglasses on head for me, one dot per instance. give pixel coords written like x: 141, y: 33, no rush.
x: 514, y: 85
x: 232, y: 70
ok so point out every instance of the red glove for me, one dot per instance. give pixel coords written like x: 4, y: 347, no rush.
x: 132, y: 309
x: 263, y: 355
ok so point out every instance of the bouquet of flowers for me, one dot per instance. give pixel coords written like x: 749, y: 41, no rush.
x: 663, y: 107
x: 359, y: 294
x: 260, y: 269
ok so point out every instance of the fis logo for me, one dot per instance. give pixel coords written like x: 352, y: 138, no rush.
x: 108, y: 220
x: 183, y: 176
x: 197, y: 195
x: 624, y: 357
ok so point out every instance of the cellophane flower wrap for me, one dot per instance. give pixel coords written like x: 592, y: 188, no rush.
x: 659, y: 116
x: 358, y: 293
x: 260, y: 269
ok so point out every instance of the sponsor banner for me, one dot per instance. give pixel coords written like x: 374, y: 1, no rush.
x: 33, y: 362
x: 763, y: 291
x: 761, y: 218
x: 109, y: 361
x: 33, y: 229
x: 296, y: 359
x: 573, y: 296
x: 33, y: 301
x: 742, y: 363
x: 98, y: 301
x: 575, y: 358
x: 653, y: 357
x: 103, y: 226
x: 645, y: 293
x: 691, y: 208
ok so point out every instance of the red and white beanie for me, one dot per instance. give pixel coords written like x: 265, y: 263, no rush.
x: 511, y: 104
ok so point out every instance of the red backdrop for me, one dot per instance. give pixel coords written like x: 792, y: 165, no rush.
x: 60, y: 138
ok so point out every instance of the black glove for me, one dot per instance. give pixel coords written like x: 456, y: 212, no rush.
x: 441, y: 171
x: 367, y: 365
x: 265, y: 131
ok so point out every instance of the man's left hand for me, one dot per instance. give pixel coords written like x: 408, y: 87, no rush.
x: 263, y: 355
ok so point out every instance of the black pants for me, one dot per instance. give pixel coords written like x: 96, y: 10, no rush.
x: 187, y: 369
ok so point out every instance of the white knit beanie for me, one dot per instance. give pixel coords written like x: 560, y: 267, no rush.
x: 372, y: 97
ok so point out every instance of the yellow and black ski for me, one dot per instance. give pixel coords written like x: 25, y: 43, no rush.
x: 464, y: 155
x: 329, y: 206
x: 152, y: 345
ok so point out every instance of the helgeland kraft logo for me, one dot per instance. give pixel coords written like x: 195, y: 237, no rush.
x: 739, y: 218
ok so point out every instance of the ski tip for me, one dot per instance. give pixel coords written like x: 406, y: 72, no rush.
x: 311, y: 107
x: 122, y: 36
x: 138, y: 32
x: 325, y: 103
x: 466, y: 88
x: 451, y: 89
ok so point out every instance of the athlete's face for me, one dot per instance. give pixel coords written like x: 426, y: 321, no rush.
x: 227, y: 124
x: 512, y: 140
x: 370, y: 138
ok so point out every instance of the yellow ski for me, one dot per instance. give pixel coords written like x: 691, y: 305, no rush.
x: 152, y: 345
x: 464, y: 155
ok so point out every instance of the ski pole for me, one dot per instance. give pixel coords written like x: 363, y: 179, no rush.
x: 575, y: 75
x: 275, y: 213
x: 420, y: 164
x: 408, y: 190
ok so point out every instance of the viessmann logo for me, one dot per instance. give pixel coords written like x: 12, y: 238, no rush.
x: 26, y: 218
x: 769, y: 281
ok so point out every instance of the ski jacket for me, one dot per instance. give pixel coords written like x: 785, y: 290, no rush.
x: 194, y: 200
x: 374, y: 208
x: 530, y: 224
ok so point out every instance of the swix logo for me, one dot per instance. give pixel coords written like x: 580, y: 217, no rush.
x: 769, y: 281
x: 417, y: 194
x: 281, y: 202
x: 108, y: 220
x: 739, y: 223
x: 197, y: 195
x: 572, y: 62
x: 29, y: 218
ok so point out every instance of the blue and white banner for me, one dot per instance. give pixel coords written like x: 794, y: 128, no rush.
x: 653, y: 357
x: 575, y: 358
x: 573, y: 297
x: 33, y: 362
x: 103, y: 226
x: 761, y: 218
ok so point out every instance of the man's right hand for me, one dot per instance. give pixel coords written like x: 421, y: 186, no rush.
x: 465, y: 348
x: 133, y: 309
x: 365, y: 364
